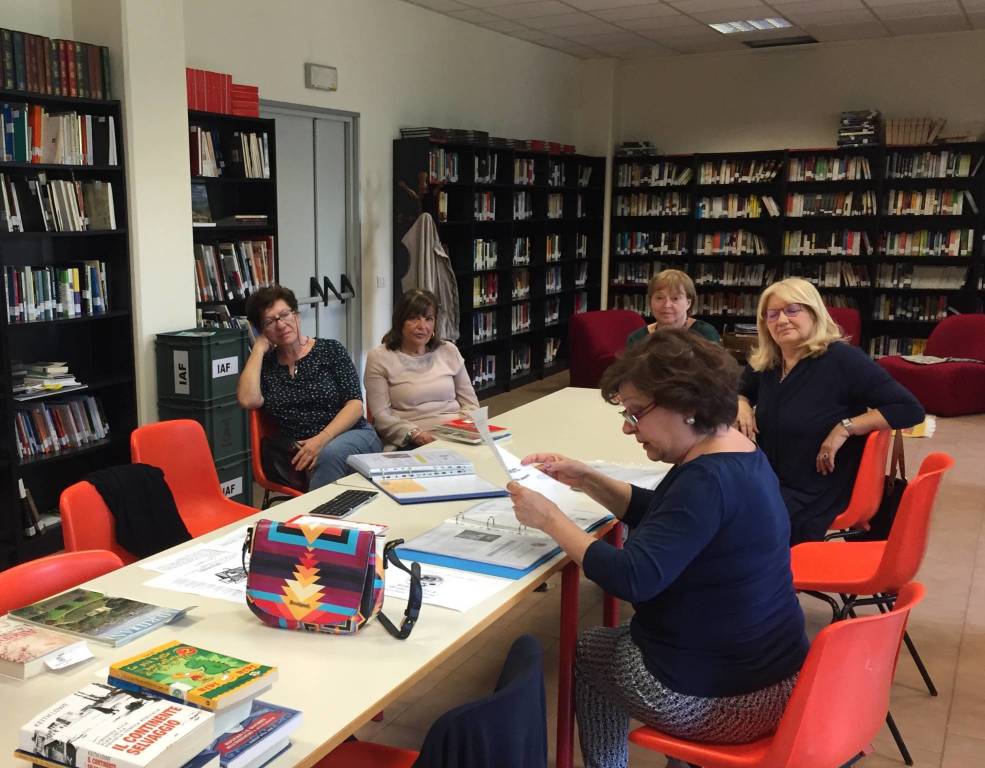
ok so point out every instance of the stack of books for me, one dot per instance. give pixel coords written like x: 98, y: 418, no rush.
x: 859, y: 128
x: 464, y: 431
x: 437, y: 135
x: 54, y: 67
x: 33, y: 380
x: 636, y: 149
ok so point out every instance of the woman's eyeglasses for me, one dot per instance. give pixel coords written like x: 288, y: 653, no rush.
x: 791, y: 310
x: 283, y: 317
x: 633, y: 418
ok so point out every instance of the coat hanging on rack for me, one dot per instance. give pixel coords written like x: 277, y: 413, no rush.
x: 430, y: 268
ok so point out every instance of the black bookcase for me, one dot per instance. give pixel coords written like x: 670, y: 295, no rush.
x: 97, y: 347
x: 848, y: 219
x: 233, y: 193
x: 547, y: 236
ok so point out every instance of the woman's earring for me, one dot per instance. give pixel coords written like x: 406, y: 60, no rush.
x: 689, y: 421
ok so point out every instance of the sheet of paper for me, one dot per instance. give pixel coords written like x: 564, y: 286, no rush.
x: 198, y: 553
x: 68, y: 657
x: 643, y: 475
x: 485, y: 545
x: 212, y: 573
x: 499, y: 473
x: 445, y: 587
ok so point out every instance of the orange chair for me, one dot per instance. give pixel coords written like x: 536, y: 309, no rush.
x: 87, y: 522
x: 868, y: 488
x: 835, y: 710
x: 181, y: 450
x: 38, y: 579
x: 260, y: 427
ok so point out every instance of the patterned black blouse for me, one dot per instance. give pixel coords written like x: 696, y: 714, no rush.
x: 324, y: 380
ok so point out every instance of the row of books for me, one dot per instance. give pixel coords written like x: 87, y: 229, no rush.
x: 483, y: 326
x: 32, y: 134
x: 859, y: 128
x: 248, y: 156
x: 552, y: 280
x: 581, y: 275
x: 735, y: 207
x: 484, y: 206
x: 580, y: 303
x: 732, y: 274
x: 640, y: 272
x: 485, y: 289
x: 662, y: 204
x: 944, y: 164
x: 553, y: 247
x: 486, y: 167
x: 829, y: 274
x: 738, y: 171
x: 920, y: 276
x: 523, y: 206
x: 913, y: 130
x: 54, y: 67
x: 646, y: 243
x: 732, y: 243
x: 233, y: 270
x: 838, y: 243
x: 851, y: 203
x: 555, y: 205
x: 483, y: 371
x: 203, y: 152
x: 216, y: 92
x: 908, y: 307
x: 30, y: 381
x: 38, y: 294
x: 39, y: 204
x: 556, y: 174
x: 880, y: 346
x: 521, y: 284
x: 520, y: 317
x: 664, y: 173
x: 730, y: 303
x: 48, y: 428
x: 552, y: 346
x: 520, y: 360
x: 552, y: 310
x: 443, y: 165
x: 828, y: 168
x: 632, y: 301
x: 926, y: 242
x: 217, y: 315
x: 581, y: 246
x: 523, y: 171
x: 521, y: 251
x: 930, y: 202
x: 484, y: 254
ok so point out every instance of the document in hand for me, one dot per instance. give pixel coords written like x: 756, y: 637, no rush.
x: 412, y: 477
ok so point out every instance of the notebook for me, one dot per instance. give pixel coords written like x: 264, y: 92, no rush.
x: 414, y: 477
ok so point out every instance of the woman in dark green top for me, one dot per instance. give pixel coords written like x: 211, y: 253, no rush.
x: 671, y: 297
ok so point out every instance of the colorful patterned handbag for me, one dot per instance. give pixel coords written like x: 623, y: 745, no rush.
x: 324, y: 576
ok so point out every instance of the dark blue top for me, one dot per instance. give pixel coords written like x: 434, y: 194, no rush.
x: 795, y: 416
x: 707, y: 568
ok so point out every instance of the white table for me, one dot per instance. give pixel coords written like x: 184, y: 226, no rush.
x: 341, y: 682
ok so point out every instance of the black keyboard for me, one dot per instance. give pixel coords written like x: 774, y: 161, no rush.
x: 343, y: 504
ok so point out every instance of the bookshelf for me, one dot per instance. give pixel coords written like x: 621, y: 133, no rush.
x: 523, y: 230
x: 895, y: 232
x: 42, y: 323
x: 233, y: 172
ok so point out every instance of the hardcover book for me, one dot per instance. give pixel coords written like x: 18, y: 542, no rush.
x: 464, y: 431
x: 25, y: 648
x: 194, y: 675
x: 260, y: 735
x: 96, y: 616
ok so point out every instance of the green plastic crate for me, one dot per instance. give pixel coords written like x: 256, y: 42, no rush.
x: 201, y: 364
x: 225, y: 423
x: 236, y: 478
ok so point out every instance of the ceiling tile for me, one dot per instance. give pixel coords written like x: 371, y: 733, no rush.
x: 597, y: 5
x: 488, y: 3
x: 924, y: 25
x: 733, y: 14
x: 506, y: 26
x: 703, y: 44
x: 531, y: 10
x: 680, y: 22
x: 861, y: 31
x: 826, y: 5
x: 700, y: 6
x: 560, y: 20
x: 651, y: 11
x: 608, y: 39
x: 912, y: 10
x: 977, y: 19
x: 566, y: 46
x: 973, y: 6
x: 441, y: 5
x: 589, y: 26
x: 474, y: 15
x: 815, y: 18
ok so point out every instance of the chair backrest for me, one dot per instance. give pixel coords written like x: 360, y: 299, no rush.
x: 181, y: 450
x: 508, y: 727
x: 869, y: 482
x: 850, y: 321
x: 37, y: 579
x: 958, y: 336
x: 907, y: 540
x: 87, y: 522
x: 594, y: 340
x: 842, y: 694
x: 261, y: 425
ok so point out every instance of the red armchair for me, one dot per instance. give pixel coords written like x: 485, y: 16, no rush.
x: 850, y: 322
x: 594, y: 340
x: 947, y: 389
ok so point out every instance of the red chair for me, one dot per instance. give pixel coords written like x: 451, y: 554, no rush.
x: 594, y: 340
x: 181, y: 450
x: 261, y: 426
x: 87, y: 522
x: 836, y: 709
x: 869, y: 485
x: 850, y: 322
x: 38, y: 579
x: 947, y: 389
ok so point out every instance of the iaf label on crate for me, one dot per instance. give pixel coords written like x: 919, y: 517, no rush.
x: 182, y: 386
x: 226, y: 366
x: 233, y: 487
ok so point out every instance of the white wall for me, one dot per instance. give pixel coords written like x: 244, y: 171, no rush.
x: 791, y: 97
x: 399, y: 65
x: 51, y: 18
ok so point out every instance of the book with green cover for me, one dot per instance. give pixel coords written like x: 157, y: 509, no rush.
x: 194, y: 675
x: 96, y: 616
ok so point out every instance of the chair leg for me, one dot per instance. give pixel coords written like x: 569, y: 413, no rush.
x: 931, y: 688
x: 266, y: 499
x: 898, y: 738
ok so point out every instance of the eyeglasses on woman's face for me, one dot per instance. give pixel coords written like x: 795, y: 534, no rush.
x: 282, y: 317
x: 791, y: 310
x: 633, y: 417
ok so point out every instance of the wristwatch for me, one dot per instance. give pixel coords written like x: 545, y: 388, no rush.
x: 847, y: 424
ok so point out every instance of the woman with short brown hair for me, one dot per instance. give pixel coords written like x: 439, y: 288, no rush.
x: 671, y: 297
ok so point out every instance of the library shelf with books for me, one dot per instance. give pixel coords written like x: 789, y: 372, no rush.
x: 67, y: 290
x: 234, y: 209
x: 894, y: 232
x: 523, y: 230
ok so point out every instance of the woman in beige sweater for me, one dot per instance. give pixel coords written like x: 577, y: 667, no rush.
x: 414, y: 380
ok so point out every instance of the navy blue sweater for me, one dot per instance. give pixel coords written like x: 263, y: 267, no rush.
x: 707, y: 568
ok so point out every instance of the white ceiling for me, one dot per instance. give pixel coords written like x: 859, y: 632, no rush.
x: 629, y: 29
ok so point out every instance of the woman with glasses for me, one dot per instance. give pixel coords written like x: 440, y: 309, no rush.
x: 671, y: 296
x: 414, y: 380
x: 308, y: 386
x: 717, y: 639
x: 809, y: 398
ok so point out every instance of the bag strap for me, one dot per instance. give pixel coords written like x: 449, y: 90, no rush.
x: 897, y: 466
x: 415, y: 598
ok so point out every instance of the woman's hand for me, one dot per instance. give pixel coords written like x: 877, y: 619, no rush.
x: 745, y: 422
x: 568, y: 471
x: 422, y: 438
x: 532, y: 509
x: 261, y: 345
x: 308, y: 450
x: 832, y: 444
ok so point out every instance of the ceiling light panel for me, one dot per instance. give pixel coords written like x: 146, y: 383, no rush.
x: 751, y: 25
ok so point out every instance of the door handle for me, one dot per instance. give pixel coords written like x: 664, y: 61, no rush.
x: 327, y: 291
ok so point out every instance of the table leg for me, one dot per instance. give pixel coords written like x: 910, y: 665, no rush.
x: 610, y: 604
x: 566, y: 666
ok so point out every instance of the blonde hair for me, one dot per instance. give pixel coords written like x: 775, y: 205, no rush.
x: 793, y: 290
x: 673, y: 280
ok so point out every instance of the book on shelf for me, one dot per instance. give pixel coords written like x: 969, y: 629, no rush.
x: 97, y: 616
x: 249, y: 155
x: 35, y: 294
x: 100, y: 725
x: 48, y: 428
x: 26, y: 650
x: 37, y: 204
x: 54, y: 67
x: 205, y: 152
x: 256, y: 738
x: 412, y: 477
x: 201, y: 211
x: 233, y: 270
x: 32, y: 134
x: 193, y: 675
x: 464, y: 431
x: 244, y: 218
